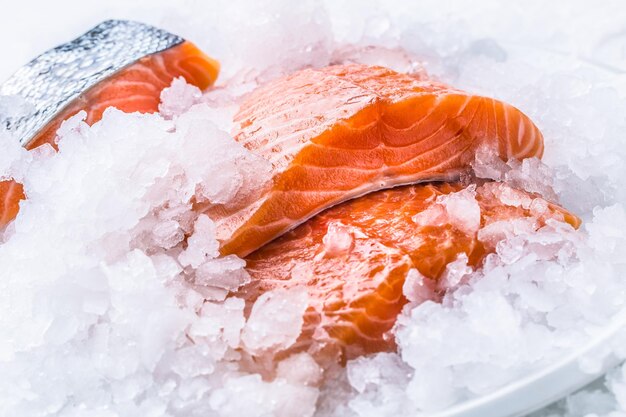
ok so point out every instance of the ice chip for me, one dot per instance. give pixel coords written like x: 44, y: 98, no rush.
x: 178, y: 98
x: 276, y: 320
x: 534, y: 176
x: 168, y: 234
x: 338, y: 240
x: 487, y: 164
x: 463, y: 209
x: 219, y: 322
x: 217, y: 277
x: 201, y: 245
x: 434, y: 215
x: 377, y: 370
x: 417, y: 288
x: 301, y: 369
x: 456, y: 273
x: 459, y: 209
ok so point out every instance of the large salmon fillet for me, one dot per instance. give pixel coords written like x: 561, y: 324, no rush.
x: 335, y: 133
x: 133, y: 88
x: 353, y: 258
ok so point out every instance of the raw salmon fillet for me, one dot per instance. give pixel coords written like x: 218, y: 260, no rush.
x: 353, y: 258
x: 335, y: 133
x: 136, y: 88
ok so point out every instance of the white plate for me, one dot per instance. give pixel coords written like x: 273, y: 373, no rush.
x: 547, y: 385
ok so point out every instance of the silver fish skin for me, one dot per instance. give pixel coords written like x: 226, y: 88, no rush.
x: 57, y: 77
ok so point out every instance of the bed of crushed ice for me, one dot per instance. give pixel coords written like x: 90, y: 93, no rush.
x: 104, y: 311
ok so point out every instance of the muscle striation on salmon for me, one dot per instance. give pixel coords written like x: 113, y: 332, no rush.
x: 336, y: 133
x: 354, y: 258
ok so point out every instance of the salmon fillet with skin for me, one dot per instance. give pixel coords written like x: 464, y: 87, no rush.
x: 353, y: 258
x: 335, y: 133
x: 136, y: 88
